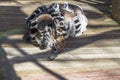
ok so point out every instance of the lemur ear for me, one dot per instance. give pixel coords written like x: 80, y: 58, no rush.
x: 65, y: 5
x: 55, y: 6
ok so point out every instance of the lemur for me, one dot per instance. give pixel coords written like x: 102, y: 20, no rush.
x: 73, y: 20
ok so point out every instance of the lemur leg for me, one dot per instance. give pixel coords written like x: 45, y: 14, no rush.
x: 58, y: 47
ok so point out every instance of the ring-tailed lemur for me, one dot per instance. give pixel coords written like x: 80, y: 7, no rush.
x: 73, y: 19
x: 68, y: 19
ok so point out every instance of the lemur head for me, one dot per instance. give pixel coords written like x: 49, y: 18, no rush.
x: 41, y: 29
x: 60, y: 40
x: 55, y: 7
x: 60, y: 25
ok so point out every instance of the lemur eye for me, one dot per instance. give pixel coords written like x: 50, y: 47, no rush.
x: 61, y: 23
x: 56, y: 21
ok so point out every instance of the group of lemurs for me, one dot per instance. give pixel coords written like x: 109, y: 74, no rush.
x: 49, y: 26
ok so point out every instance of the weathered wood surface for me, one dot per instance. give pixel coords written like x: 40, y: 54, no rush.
x: 98, y: 48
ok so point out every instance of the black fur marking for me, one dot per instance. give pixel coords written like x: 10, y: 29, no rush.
x: 78, y: 26
x: 77, y: 31
x: 76, y: 21
x: 64, y: 34
x: 33, y: 30
x: 63, y: 28
x: 33, y: 24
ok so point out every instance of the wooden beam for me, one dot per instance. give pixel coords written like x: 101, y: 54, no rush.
x: 116, y: 9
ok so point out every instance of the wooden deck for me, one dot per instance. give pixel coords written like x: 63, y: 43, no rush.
x: 97, y: 49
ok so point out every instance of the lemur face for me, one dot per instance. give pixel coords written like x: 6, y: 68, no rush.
x: 59, y: 22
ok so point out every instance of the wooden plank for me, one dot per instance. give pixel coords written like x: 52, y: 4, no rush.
x: 13, y: 20
x: 28, y: 2
x: 116, y: 9
x: 8, y: 27
x: 10, y: 10
x: 28, y: 9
